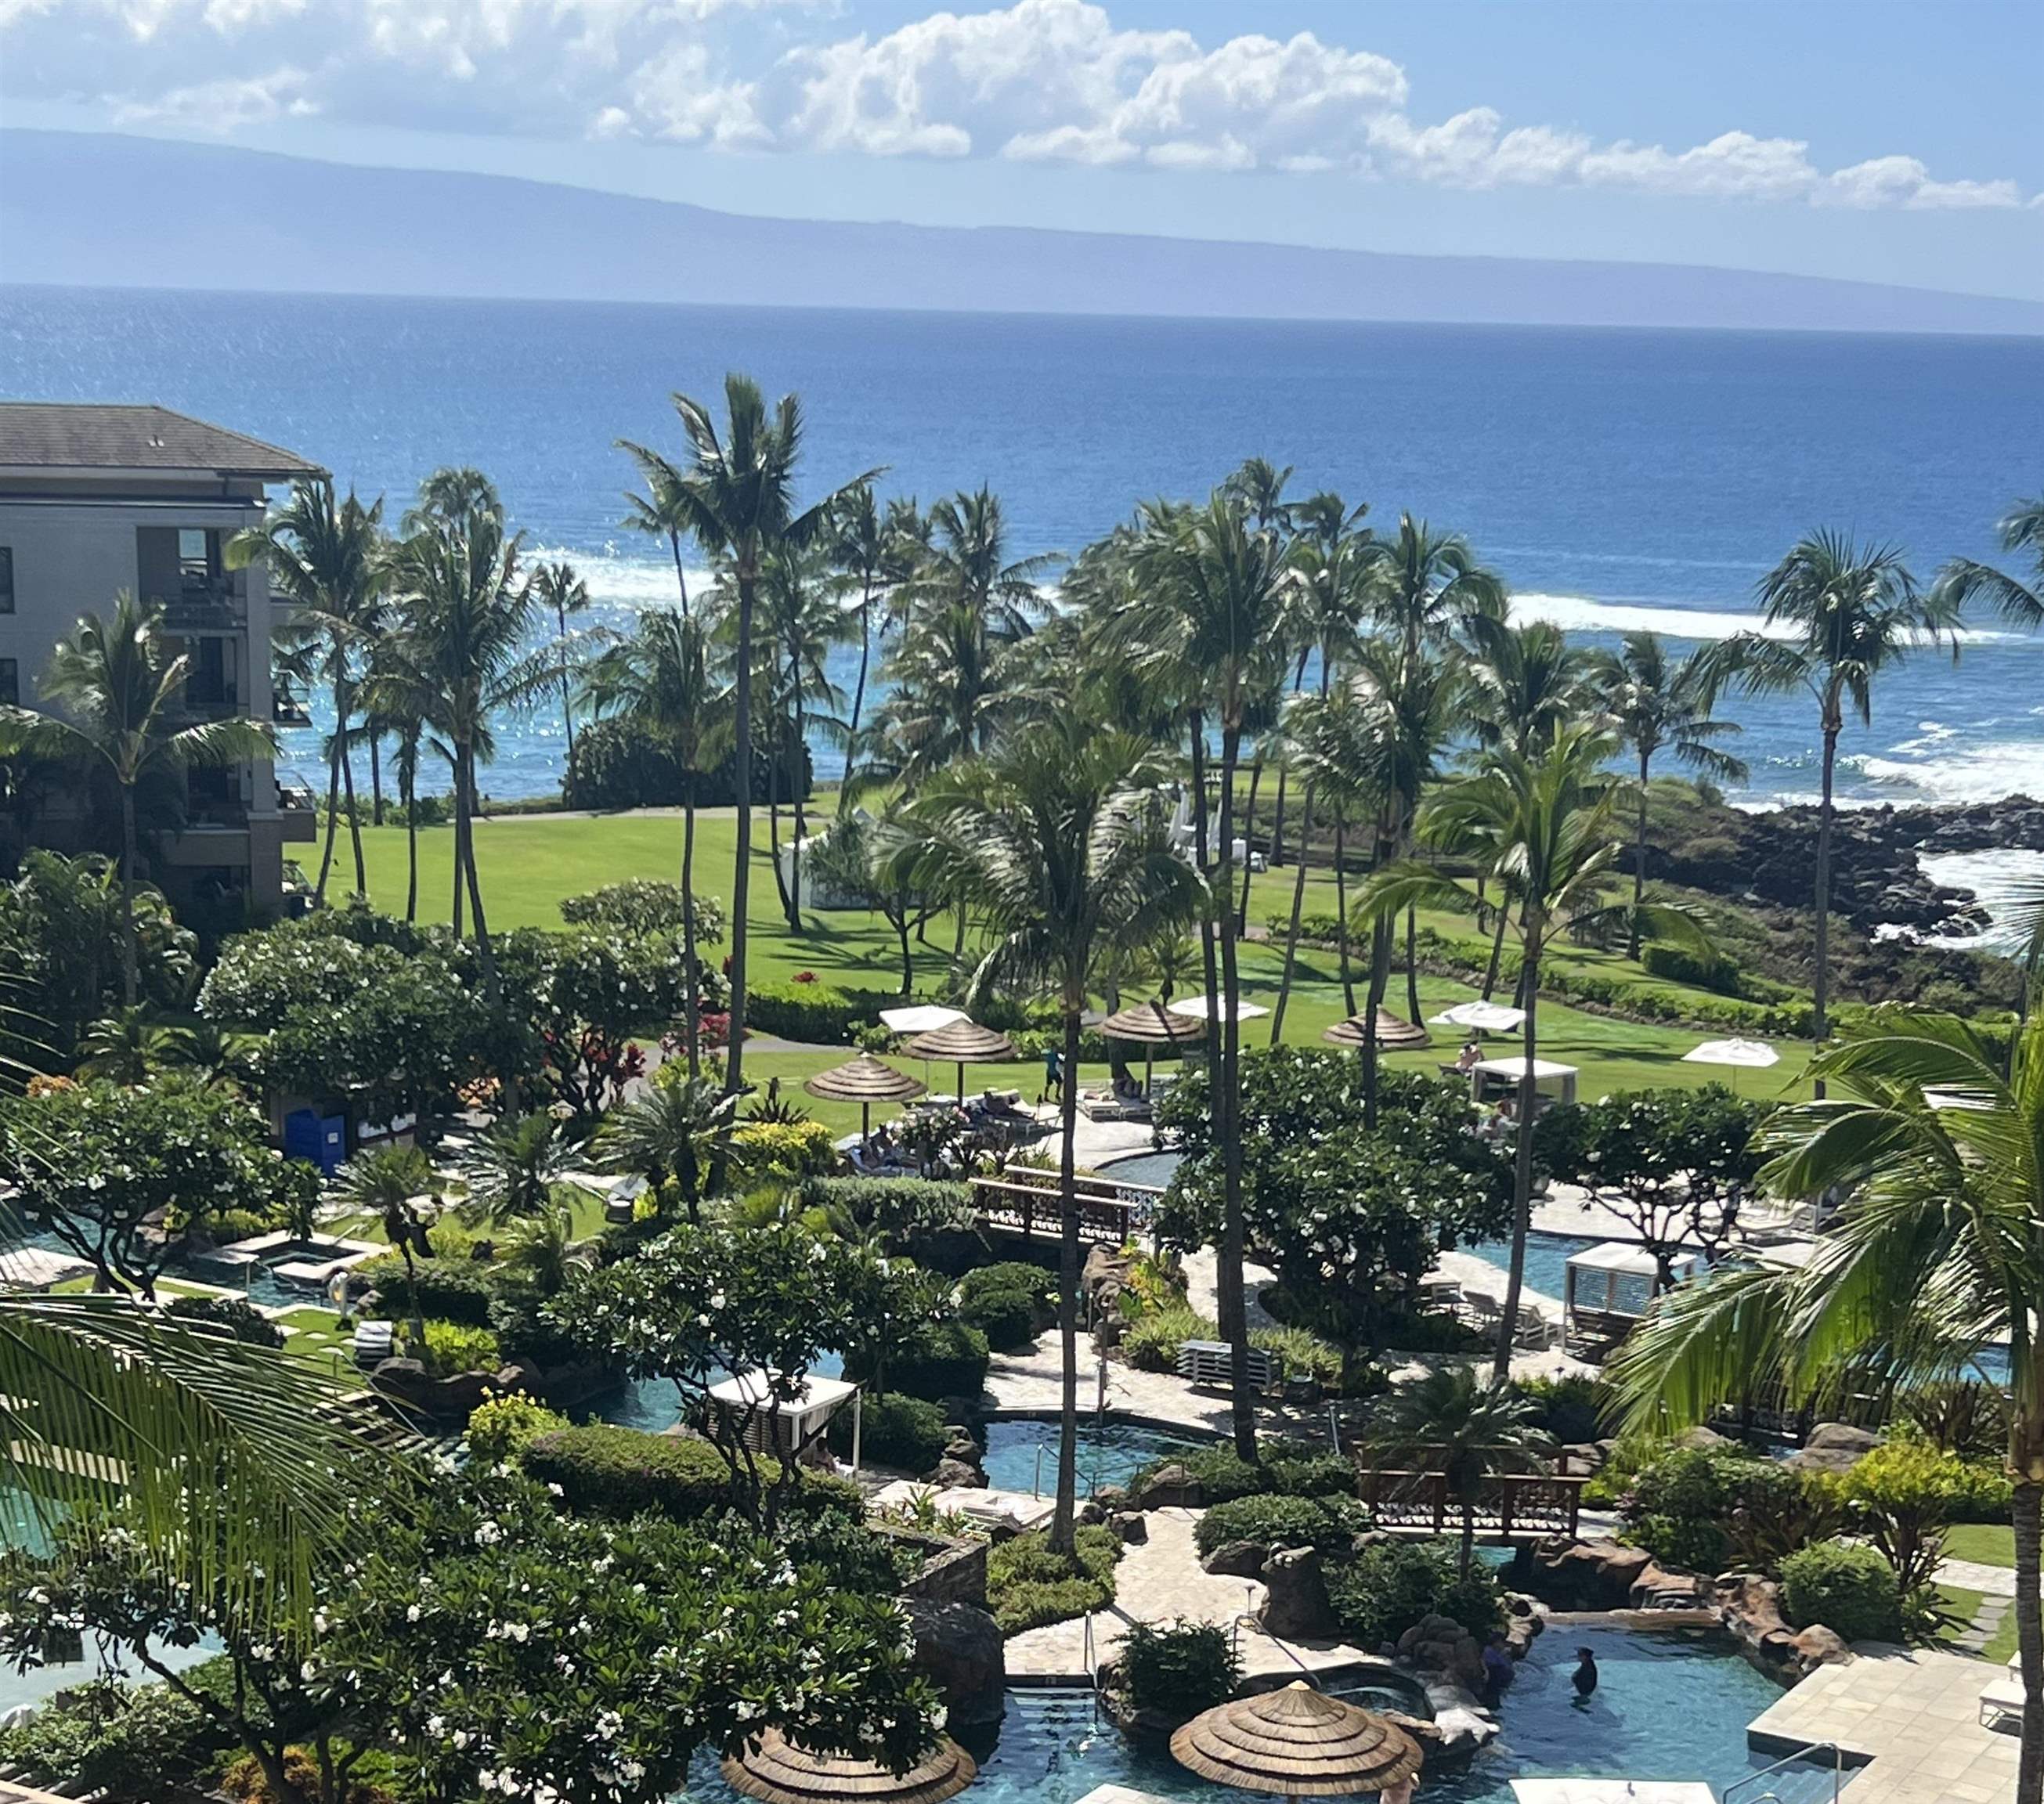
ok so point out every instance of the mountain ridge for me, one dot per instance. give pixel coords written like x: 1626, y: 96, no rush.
x: 102, y: 210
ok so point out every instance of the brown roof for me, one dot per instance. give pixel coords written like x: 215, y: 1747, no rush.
x: 96, y: 435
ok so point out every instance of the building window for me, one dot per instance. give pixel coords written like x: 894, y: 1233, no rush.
x: 6, y: 579
x: 10, y: 682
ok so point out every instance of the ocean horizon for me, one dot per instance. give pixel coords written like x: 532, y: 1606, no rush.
x: 1618, y: 479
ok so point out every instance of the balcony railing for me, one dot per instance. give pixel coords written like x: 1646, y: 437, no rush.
x: 286, y: 710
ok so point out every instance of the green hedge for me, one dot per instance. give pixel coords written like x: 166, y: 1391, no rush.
x: 1329, y: 1523
x: 1850, y: 1589
x: 937, y: 1360
x: 821, y: 1014
x: 1007, y: 1303
x: 1171, y: 1671
x: 1292, y: 1468
x: 1684, y: 1507
x: 906, y: 1432
x: 620, y: 1473
x: 447, y: 1290
x: 1027, y: 1585
x: 1712, y: 972
x: 1391, y: 1585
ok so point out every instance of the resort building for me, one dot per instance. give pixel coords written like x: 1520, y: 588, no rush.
x: 96, y: 499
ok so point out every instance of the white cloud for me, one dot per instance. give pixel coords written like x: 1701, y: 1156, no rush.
x: 1044, y: 81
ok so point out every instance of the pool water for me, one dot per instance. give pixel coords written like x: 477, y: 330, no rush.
x: 655, y: 1404
x: 1109, y: 1453
x: 1145, y: 1168
x: 1547, y: 1258
x: 1670, y: 1707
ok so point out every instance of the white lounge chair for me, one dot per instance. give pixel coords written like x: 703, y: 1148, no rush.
x: 374, y: 1342
x: 2003, y: 1700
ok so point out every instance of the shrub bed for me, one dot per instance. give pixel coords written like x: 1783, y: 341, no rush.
x: 1390, y: 1585
x: 1170, y: 1672
x: 621, y: 1472
x: 939, y: 1359
x: 453, y: 1289
x: 1328, y: 1523
x: 1851, y: 1590
x: 1294, y: 1469
x: 503, y: 1427
x: 906, y: 1432
x: 1700, y: 1509
x: 1027, y: 1585
x: 1007, y: 1303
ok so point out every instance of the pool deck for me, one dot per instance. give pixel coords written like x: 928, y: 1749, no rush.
x: 1913, y: 1713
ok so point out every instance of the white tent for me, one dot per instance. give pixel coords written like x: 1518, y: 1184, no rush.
x: 775, y: 1426
x: 1745, y: 1055
x: 1194, y: 1008
x: 921, y: 1017
x: 1616, y: 1277
x: 1492, y: 1079
x: 1610, y: 1791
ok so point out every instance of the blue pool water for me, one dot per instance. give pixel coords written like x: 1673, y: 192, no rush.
x: 1546, y: 1260
x: 1671, y: 1707
x: 1109, y: 1453
x: 655, y: 1404
x: 1145, y: 1168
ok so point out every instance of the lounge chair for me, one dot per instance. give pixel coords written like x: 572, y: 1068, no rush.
x: 2003, y: 1701
x: 374, y: 1342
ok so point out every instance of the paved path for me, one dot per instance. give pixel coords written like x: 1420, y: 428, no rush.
x: 1973, y: 1576
x: 1914, y: 1713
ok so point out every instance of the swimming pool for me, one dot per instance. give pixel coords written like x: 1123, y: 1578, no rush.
x: 1144, y: 1168
x: 1547, y: 1258
x: 1110, y: 1452
x: 1671, y: 1706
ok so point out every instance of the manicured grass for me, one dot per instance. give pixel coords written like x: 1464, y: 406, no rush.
x: 318, y: 1338
x: 1990, y: 1544
x: 529, y: 863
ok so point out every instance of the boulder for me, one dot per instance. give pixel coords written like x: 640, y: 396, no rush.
x: 1833, y: 1447
x: 959, y: 1648
x: 1171, y: 1487
x: 955, y: 1474
x: 1439, y: 1644
x: 1818, y: 1646
x: 1089, y: 1514
x: 1657, y: 1587
x: 1237, y: 1559
x: 1584, y: 1575
x: 1749, y: 1607
x: 1708, y: 1440
x: 1297, y: 1608
x: 1131, y: 1527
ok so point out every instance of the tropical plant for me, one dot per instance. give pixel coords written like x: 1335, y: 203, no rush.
x: 673, y: 1131
x: 1932, y: 1260
x: 1659, y: 705
x: 1058, y: 840
x: 394, y: 1184
x: 2019, y: 601
x: 511, y: 1168
x: 1850, y: 612
x: 326, y: 559
x: 1450, y: 1422
x: 1547, y: 822
x: 560, y: 592
x: 122, y: 698
x: 131, y: 1046
x: 736, y: 495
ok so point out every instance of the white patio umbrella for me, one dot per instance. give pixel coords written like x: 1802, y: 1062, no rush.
x: 1740, y: 1055
x: 1194, y: 1008
x: 1485, y: 1017
x: 919, y: 1017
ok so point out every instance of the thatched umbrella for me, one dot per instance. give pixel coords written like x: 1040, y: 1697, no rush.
x: 1394, y: 1032
x: 1152, y: 1025
x: 1299, y: 1743
x: 963, y: 1043
x: 782, y: 1773
x: 864, y: 1081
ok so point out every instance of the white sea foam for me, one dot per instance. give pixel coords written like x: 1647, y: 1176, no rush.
x: 1577, y: 613
x: 1999, y: 879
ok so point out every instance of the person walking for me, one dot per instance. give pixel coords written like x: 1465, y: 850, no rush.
x: 1054, y: 1076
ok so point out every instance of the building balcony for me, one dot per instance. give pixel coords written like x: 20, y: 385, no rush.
x: 286, y: 710
x: 298, y: 811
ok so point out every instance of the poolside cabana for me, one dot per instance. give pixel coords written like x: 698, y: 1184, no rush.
x: 1394, y: 1032
x: 1494, y: 1080
x: 963, y: 1042
x: 782, y: 1773
x: 767, y: 1425
x: 1608, y: 1288
x: 1150, y: 1025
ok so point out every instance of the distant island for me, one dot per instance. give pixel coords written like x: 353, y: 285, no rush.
x: 95, y: 210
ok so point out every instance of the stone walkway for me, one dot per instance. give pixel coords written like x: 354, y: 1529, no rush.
x: 1914, y: 1713
x: 1973, y: 1576
x: 1157, y: 1581
x: 1985, y: 1626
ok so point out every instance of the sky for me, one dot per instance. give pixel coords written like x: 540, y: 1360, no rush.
x: 1877, y: 139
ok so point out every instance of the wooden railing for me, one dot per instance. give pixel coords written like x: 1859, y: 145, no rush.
x: 1511, y: 1504
x: 1026, y: 1199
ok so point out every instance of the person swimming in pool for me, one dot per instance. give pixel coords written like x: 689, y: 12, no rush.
x: 1585, y: 1677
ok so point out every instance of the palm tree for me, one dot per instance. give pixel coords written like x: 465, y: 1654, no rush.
x: 1659, y: 705
x: 1451, y: 1422
x: 1258, y: 484
x: 1934, y: 1258
x: 399, y: 698
x: 659, y: 679
x: 672, y: 1132
x: 1548, y: 820
x: 326, y: 558
x: 511, y: 1167
x: 2021, y: 603
x: 660, y: 512
x: 1523, y: 682
x: 1211, y: 604
x: 122, y: 697
x: 966, y: 564
x: 1327, y: 556
x: 560, y: 592
x: 866, y: 554
x: 736, y: 495
x: 467, y: 618
x: 1424, y: 586
x: 131, y: 1047
x: 951, y: 689
x: 386, y: 1183
x: 453, y: 499
x: 1851, y: 611
x: 1059, y: 839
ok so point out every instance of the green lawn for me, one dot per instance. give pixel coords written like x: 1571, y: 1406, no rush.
x: 318, y: 1337
x: 1990, y: 1544
x: 529, y: 862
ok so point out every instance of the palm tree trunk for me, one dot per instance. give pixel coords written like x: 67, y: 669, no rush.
x: 1248, y: 842
x: 1278, y: 819
x: 1063, y: 1521
x: 858, y: 699
x: 1201, y: 849
x: 332, y: 802
x: 1497, y: 948
x: 2027, y: 1509
x: 131, y: 962
x: 1298, y: 908
x: 741, y: 873
x: 1469, y: 1536
x: 354, y: 822
x: 1234, y: 1314
x: 1639, y: 860
x: 1411, y: 965
x: 1818, y: 1024
x: 680, y: 577
x: 802, y: 819
x: 567, y: 701
x: 774, y: 758
x: 411, y: 800
x: 691, y: 988
x: 376, y: 778
x: 1521, y: 1169
x: 1341, y: 907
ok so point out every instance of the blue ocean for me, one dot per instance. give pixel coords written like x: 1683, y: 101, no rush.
x: 1616, y: 478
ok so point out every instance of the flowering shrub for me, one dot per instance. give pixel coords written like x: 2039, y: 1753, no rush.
x: 642, y: 906
x: 785, y: 1151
